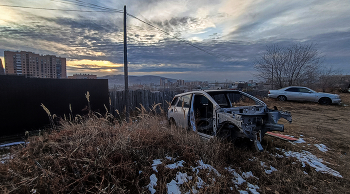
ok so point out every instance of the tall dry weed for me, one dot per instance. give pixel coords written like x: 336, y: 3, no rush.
x: 92, y: 154
x: 102, y: 154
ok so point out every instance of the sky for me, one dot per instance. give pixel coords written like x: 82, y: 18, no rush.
x: 189, y: 39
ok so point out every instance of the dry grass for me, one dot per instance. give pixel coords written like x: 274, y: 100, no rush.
x: 328, y: 125
x: 95, y: 155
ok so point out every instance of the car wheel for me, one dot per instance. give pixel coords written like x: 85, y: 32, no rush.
x: 282, y: 98
x: 325, y: 101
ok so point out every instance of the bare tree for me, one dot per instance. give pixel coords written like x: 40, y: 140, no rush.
x: 271, y: 65
x: 295, y: 65
x: 330, y: 78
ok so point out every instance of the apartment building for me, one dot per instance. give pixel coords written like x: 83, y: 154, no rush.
x: 2, y: 71
x: 34, y: 65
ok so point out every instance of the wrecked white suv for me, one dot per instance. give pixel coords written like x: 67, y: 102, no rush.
x: 228, y: 114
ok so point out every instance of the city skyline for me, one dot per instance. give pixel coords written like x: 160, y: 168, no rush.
x: 230, y: 34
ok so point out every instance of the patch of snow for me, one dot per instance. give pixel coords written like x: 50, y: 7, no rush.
x: 200, y: 183
x: 302, y: 135
x: 194, y: 191
x: 175, y: 165
x: 243, y: 192
x: 313, y: 161
x: 271, y: 170
x: 201, y: 165
x: 173, y: 186
x: 169, y: 158
x: 277, y: 155
x: 252, y: 188
x: 140, y: 171
x: 248, y: 174
x: 321, y: 147
x: 237, y: 180
x: 262, y: 164
x: 300, y: 140
x: 153, y: 183
x: 182, y: 178
x: 156, y: 162
x: 11, y: 144
x: 305, y: 172
x: 267, y: 171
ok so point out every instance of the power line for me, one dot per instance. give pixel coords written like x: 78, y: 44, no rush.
x: 90, y: 5
x: 180, y: 39
x: 148, y: 23
x: 49, y: 9
x: 106, y: 9
x: 73, y: 3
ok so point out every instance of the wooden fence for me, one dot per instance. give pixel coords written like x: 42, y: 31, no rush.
x: 136, y: 98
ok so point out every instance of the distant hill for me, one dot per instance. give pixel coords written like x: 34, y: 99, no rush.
x: 118, y: 80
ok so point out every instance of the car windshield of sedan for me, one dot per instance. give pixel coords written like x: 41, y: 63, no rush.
x: 235, y: 98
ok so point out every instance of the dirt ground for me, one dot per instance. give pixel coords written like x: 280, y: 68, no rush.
x: 319, y: 124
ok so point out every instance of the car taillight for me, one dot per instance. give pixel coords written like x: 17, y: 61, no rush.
x: 269, y: 91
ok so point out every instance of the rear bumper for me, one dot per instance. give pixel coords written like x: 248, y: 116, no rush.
x: 272, y: 96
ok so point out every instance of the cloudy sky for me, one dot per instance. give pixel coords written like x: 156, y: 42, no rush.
x: 230, y: 34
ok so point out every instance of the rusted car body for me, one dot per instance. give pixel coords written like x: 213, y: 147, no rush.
x: 228, y: 114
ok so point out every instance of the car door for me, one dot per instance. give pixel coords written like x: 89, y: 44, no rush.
x: 203, y: 113
x: 181, y: 110
x: 293, y: 93
x: 307, y: 95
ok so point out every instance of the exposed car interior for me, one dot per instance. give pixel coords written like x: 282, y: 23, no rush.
x: 203, y: 111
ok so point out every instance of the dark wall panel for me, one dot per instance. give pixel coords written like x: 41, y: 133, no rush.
x: 20, y: 100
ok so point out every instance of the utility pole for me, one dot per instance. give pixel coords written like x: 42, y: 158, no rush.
x: 126, y: 78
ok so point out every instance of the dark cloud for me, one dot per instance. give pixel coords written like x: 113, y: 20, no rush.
x: 149, y: 50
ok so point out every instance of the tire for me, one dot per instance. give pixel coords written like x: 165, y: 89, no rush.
x: 325, y: 101
x: 282, y: 98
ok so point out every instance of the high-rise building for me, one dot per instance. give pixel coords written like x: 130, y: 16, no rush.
x: 34, y: 65
x: 2, y: 71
